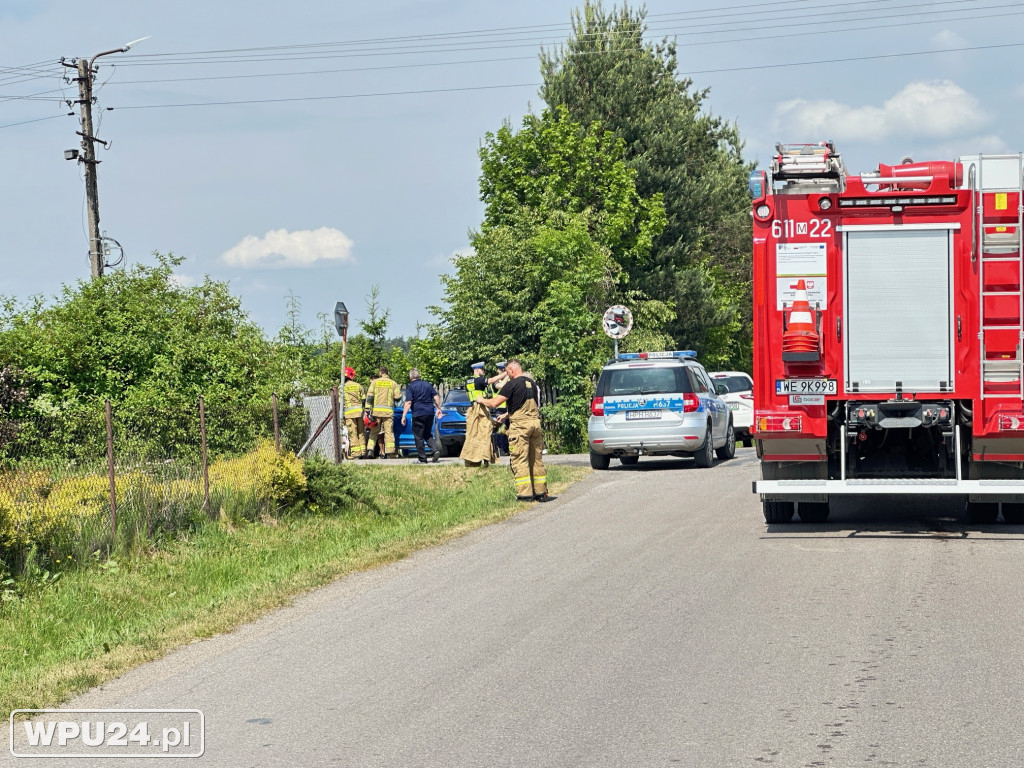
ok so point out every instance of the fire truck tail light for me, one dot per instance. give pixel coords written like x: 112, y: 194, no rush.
x: 780, y: 423
x: 763, y: 212
x: 597, y: 406
x: 1011, y: 422
x: 824, y: 203
x: 691, y: 403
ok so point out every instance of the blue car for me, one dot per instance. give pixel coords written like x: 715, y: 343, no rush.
x: 406, y: 443
x: 451, y: 427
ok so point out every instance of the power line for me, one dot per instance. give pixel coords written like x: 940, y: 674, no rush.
x: 26, y: 122
x: 534, y: 85
x: 821, y: 30
x: 760, y: 8
x: 327, y: 98
x: 46, y: 95
x: 319, y: 50
x: 853, y: 58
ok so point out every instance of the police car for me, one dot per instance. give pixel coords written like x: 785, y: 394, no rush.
x: 656, y: 404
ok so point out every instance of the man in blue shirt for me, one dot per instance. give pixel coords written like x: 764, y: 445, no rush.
x: 422, y: 399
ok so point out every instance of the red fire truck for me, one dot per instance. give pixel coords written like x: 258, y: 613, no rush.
x: 887, y: 332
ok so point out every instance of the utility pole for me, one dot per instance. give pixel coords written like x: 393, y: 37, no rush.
x: 88, y: 159
x: 86, y: 72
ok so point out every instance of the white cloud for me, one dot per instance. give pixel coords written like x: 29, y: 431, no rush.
x: 933, y: 109
x: 281, y: 248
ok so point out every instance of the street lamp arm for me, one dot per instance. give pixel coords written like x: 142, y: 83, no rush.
x: 123, y: 49
x: 92, y: 61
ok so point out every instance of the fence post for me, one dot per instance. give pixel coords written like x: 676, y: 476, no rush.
x: 110, y: 473
x: 206, y: 472
x: 277, y: 431
x: 337, y: 425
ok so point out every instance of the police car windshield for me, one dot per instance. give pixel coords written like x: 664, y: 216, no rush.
x: 734, y: 383
x: 662, y: 380
x: 456, y: 396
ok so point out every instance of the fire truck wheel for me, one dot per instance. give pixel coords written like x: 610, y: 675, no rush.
x: 705, y: 456
x: 629, y: 461
x: 1013, y: 514
x: 778, y: 511
x: 982, y: 512
x: 728, y: 450
x: 600, y: 460
x: 813, y: 512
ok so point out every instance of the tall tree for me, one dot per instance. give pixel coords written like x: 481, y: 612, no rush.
x: 562, y: 216
x: 607, y: 73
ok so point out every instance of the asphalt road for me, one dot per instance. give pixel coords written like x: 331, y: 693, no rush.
x: 646, y: 618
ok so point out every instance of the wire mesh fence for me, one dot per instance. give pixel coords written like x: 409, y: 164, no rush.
x: 85, y: 484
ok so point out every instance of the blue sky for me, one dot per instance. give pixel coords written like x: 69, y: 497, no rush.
x: 326, y: 196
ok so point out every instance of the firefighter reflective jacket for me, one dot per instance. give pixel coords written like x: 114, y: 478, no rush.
x: 385, y: 394
x: 354, y: 395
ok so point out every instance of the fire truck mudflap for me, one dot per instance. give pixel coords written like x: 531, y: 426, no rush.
x: 887, y: 332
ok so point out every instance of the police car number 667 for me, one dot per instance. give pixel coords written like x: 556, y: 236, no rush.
x: 657, y: 404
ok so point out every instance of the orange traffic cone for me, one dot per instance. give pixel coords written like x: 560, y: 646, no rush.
x: 800, y: 340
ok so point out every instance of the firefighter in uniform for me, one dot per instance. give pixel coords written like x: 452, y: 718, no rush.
x: 353, y: 413
x: 526, y: 443
x: 384, y: 393
x: 368, y: 421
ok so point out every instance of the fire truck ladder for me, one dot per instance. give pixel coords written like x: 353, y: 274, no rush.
x: 999, y: 220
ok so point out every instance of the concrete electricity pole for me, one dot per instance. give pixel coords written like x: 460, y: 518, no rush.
x: 86, y: 73
x: 88, y: 159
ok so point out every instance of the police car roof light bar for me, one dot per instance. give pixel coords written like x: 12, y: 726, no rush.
x: 680, y: 354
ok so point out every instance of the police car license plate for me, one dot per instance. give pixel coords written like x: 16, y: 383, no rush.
x: 642, y: 415
x: 806, y: 387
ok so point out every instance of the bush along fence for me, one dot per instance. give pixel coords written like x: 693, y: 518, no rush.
x: 73, y: 490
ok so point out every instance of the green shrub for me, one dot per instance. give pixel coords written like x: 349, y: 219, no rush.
x: 333, y: 489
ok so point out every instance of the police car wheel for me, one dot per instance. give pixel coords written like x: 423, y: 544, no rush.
x: 705, y: 456
x: 600, y: 460
x: 629, y: 460
x: 728, y: 450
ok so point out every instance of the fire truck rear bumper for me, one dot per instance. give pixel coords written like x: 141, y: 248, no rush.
x: 992, y: 490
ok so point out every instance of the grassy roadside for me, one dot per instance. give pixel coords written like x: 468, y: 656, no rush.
x: 97, y: 623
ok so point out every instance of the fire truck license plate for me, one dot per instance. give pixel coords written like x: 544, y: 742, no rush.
x: 633, y: 415
x: 805, y: 387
